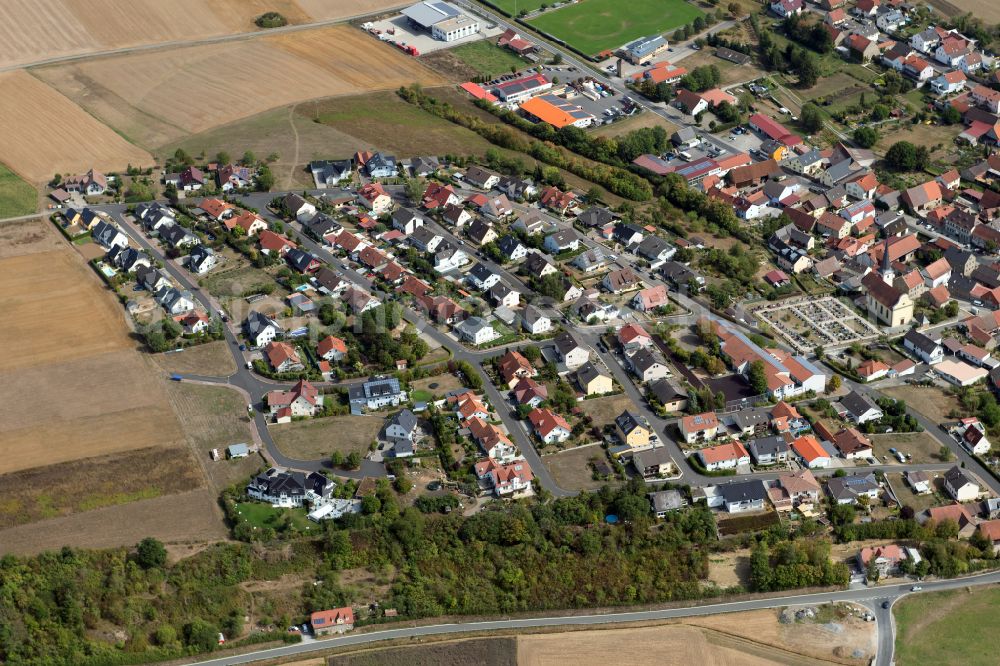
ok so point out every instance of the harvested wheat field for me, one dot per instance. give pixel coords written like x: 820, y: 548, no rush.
x: 44, y: 133
x: 33, y: 30
x: 322, y: 10
x: 57, y: 311
x: 17, y: 238
x: 61, y: 412
x: 75, y: 387
x: 664, y: 645
x: 156, y: 98
x: 186, y: 517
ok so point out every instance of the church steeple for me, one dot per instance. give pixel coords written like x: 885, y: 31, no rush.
x: 887, y: 273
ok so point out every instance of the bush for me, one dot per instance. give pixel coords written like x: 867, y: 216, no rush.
x: 201, y: 635
x: 150, y: 553
x: 271, y: 20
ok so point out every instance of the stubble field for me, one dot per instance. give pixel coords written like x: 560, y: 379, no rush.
x: 157, y: 98
x: 32, y: 30
x: 76, y: 390
x: 44, y: 133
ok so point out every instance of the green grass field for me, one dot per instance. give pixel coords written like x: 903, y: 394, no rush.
x: 591, y: 26
x: 16, y: 196
x: 934, y: 628
x: 487, y: 58
x: 265, y: 515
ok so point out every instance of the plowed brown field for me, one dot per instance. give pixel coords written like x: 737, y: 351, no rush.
x: 44, y: 133
x: 156, y: 98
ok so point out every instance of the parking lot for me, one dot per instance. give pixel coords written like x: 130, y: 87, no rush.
x: 747, y: 142
x: 806, y: 323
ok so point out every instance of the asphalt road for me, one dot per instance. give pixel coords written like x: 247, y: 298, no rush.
x: 873, y: 597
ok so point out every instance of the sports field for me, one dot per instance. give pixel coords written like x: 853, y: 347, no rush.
x: 592, y: 26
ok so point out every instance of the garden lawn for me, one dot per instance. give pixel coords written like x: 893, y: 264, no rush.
x: 265, y: 515
x: 592, y: 26
x: 16, y: 196
x: 487, y: 58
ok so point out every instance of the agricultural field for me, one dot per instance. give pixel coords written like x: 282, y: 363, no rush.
x: 45, y: 133
x: 16, y: 196
x: 72, y: 389
x: 383, y: 119
x: 294, y: 138
x: 157, y: 98
x: 647, y: 646
x: 186, y: 517
x: 212, y: 359
x: 33, y: 30
x: 592, y: 26
x: 48, y: 492
x: 500, y: 651
x: 318, y: 438
x: 986, y: 10
x: 933, y: 628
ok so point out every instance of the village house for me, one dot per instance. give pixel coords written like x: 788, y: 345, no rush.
x: 283, y: 357
x: 282, y: 488
x: 960, y: 486
x: 593, y: 381
x: 648, y: 365
x: 303, y: 399
x: 633, y: 431
x: 335, y: 621
x: 699, y: 427
x: 847, y: 489
x: 513, y: 366
x: 376, y: 393
x: 811, y: 452
x: 724, y: 456
x: 570, y: 352
x: 374, y: 197
x: 549, y: 426
x: 529, y: 392
x: 505, y: 478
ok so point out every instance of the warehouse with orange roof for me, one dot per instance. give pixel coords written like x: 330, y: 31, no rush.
x: 556, y: 112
